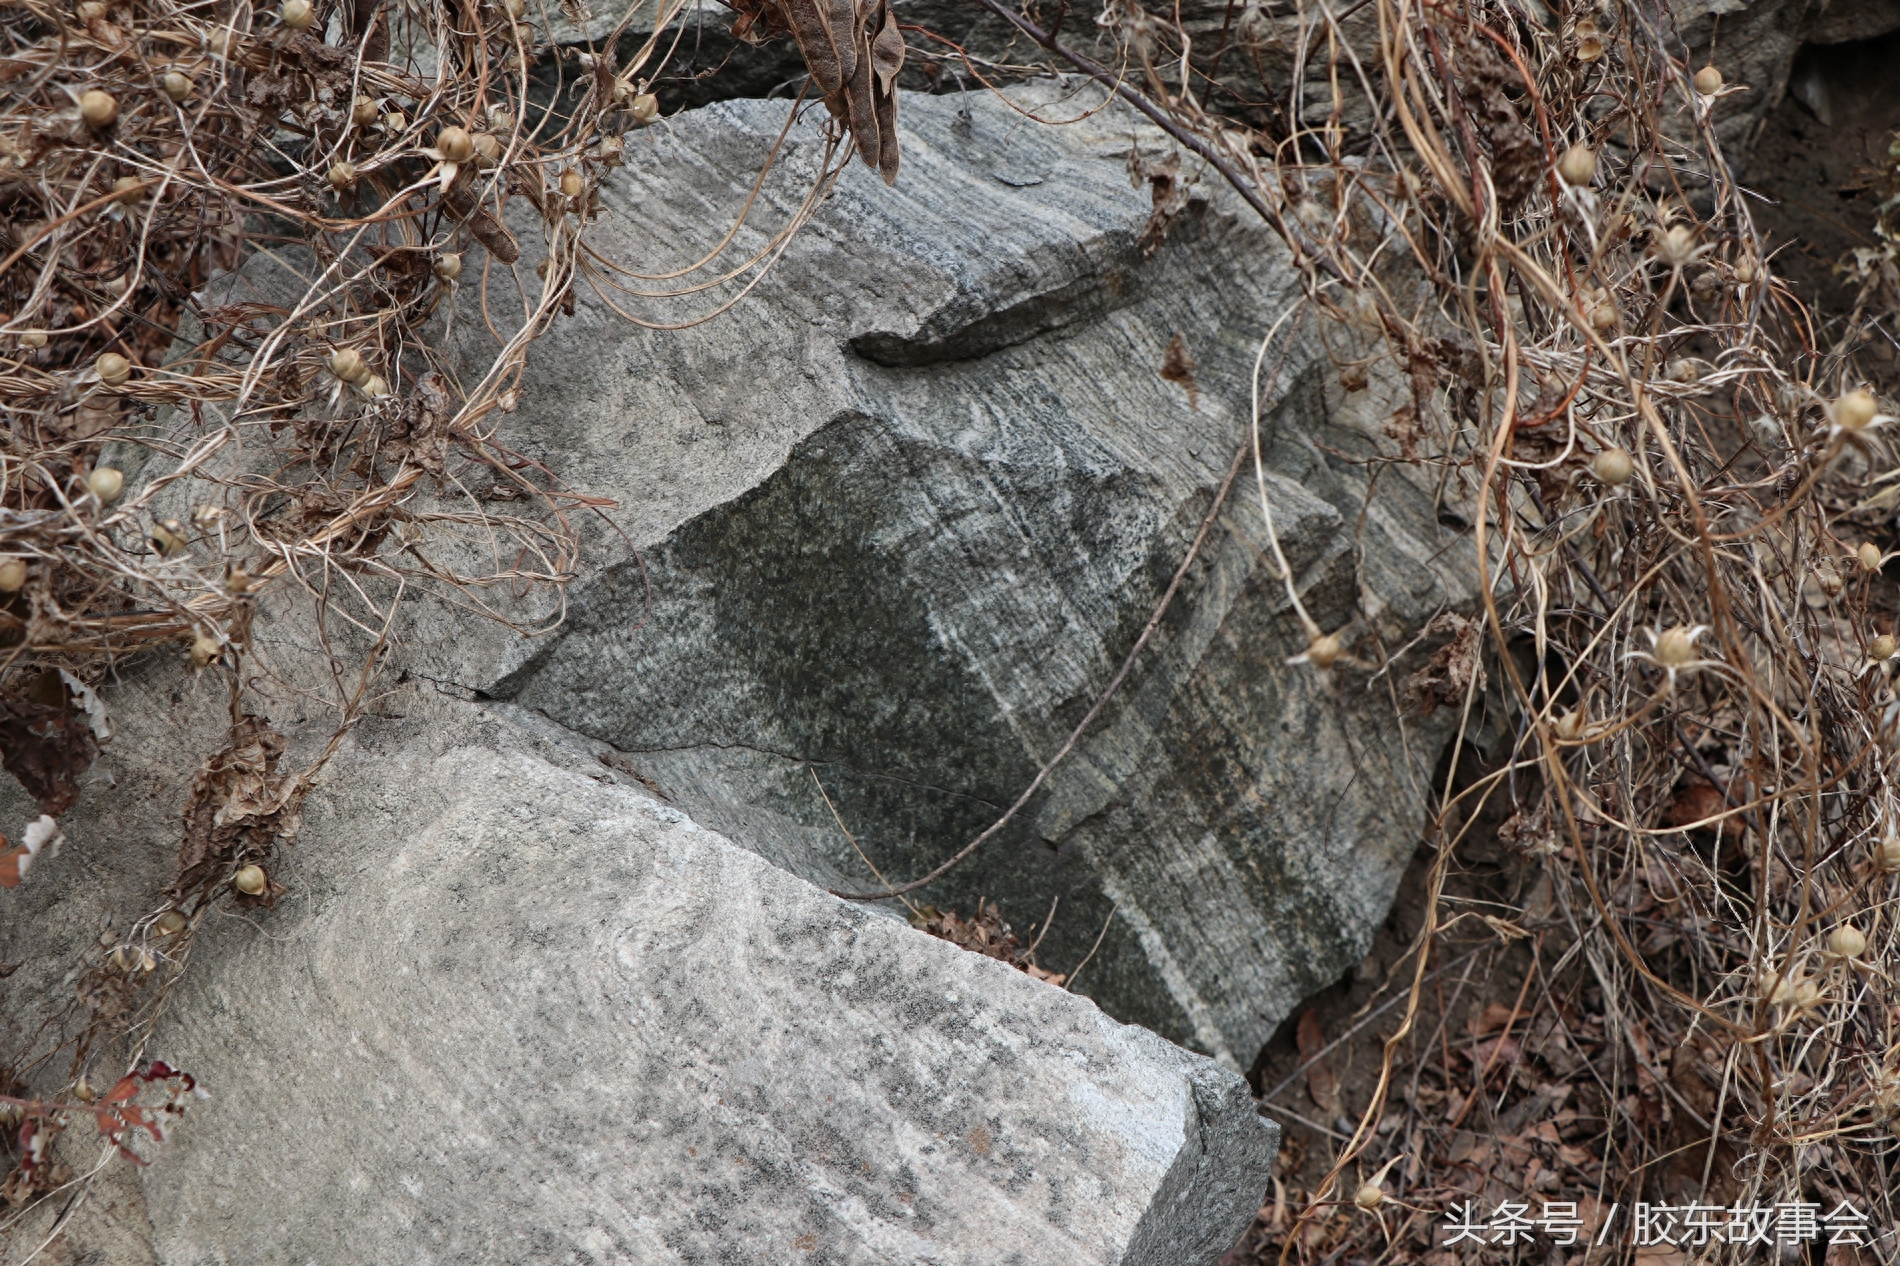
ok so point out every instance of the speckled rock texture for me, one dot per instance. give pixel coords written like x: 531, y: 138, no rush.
x: 551, y: 1020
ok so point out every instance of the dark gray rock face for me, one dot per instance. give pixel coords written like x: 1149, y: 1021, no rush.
x: 944, y: 485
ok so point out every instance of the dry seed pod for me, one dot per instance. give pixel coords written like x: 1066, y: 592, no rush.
x: 170, y: 923
x: 1806, y: 994
x: 1828, y: 580
x: 1675, y: 647
x: 1571, y: 725
x: 92, y: 10
x: 1324, y: 651
x: 1589, y: 48
x: 297, y: 14
x: 348, y: 365
x: 1613, y: 466
x: 394, y: 122
x: 1708, y: 81
x: 1853, y: 411
x: 239, y: 581
x: 1578, y: 166
x: 487, y: 148
x: 205, y: 649
x: 1683, y: 370
x: 342, y: 175
x: 1869, y: 556
x: 571, y: 183
x: 1744, y: 271
x: 1676, y: 246
x: 12, y: 575
x: 168, y: 537
x: 98, y: 108
x: 1369, y: 1196
x: 363, y: 111
x: 1777, y: 989
x: 1887, y: 856
x: 175, y: 86
x: 448, y: 266
x: 129, y: 191
x: 120, y: 957
x: 500, y: 119
x: 113, y: 369
x: 455, y: 144
x: 1848, y: 941
x: 82, y: 1089
x: 1603, y: 317
x: 646, y: 108
x: 1884, y: 647
x: 373, y: 387
x: 32, y: 338
x: 250, y: 880
x: 514, y: 9
x: 105, y: 483
x: 222, y: 41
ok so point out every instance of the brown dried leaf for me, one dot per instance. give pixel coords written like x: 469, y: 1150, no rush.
x: 1495, y: 1016
x: 1168, y: 192
x: 1697, y: 801
x: 1321, y: 1084
x: 422, y: 436
x: 1455, y: 669
x: 1178, y: 366
x: 239, y: 805
x: 46, y: 740
x: 1403, y: 427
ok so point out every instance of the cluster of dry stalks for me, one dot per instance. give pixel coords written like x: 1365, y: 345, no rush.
x: 1683, y: 507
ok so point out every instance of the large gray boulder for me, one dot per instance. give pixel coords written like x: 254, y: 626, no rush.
x: 907, y: 508
x: 514, y: 1009
x: 530, y: 1017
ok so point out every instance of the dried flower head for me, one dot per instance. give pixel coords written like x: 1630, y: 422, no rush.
x: 1322, y: 652
x: 1676, y: 246
x: 1856, y: 411
x: 1847, y: 941
x: 1613, y: 467
x: 98, y: 108
x: 105, y: 483
x: 1578, y: 166
x: 168, y: 538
